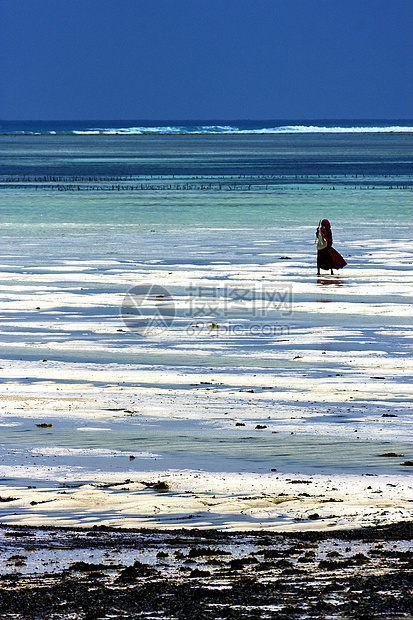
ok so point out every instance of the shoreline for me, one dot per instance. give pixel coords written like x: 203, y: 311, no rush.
x: 221, y: 501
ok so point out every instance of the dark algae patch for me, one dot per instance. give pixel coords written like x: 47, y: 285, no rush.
x: 391, y: 454
x: 195, y: 575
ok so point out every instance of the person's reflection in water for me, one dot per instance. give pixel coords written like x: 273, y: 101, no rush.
x: 330, y: 281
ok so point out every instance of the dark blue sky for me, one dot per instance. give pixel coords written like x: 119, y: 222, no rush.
x: 206, y: 59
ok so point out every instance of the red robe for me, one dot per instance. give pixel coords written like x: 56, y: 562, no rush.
x: 328, y: 258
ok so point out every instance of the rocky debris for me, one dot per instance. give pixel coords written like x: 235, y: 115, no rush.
x: 203, y: 575
x: 132, y: 573
x: 160, y: 486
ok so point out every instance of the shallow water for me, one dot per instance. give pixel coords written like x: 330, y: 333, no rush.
x: 225, y: 224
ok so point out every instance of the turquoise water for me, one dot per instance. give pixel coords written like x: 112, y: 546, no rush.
x: 235, y: 181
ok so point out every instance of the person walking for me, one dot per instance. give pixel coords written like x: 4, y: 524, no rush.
x: 327, y: 256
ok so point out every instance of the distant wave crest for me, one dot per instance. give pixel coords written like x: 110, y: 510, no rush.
x: 229, y: 129
x: 127, y: 128
x: 162, y: 130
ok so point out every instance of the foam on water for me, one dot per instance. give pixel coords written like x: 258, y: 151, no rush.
x: 216, y: 129
x: 205, y: 127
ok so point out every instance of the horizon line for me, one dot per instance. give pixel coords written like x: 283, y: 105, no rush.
x: 193, y: 120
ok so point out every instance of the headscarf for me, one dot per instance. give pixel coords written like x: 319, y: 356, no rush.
x: 325, y: 230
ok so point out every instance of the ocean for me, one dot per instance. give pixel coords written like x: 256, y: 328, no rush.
x: 161, y: 300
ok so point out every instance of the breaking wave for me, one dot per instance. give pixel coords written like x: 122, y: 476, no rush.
x: 84, y: 128
x: 229, y: 129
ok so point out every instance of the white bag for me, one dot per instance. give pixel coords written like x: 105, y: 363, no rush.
x: 321, y: 242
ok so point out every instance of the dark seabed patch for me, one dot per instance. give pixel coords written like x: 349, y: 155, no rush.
x: 363, y: 574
